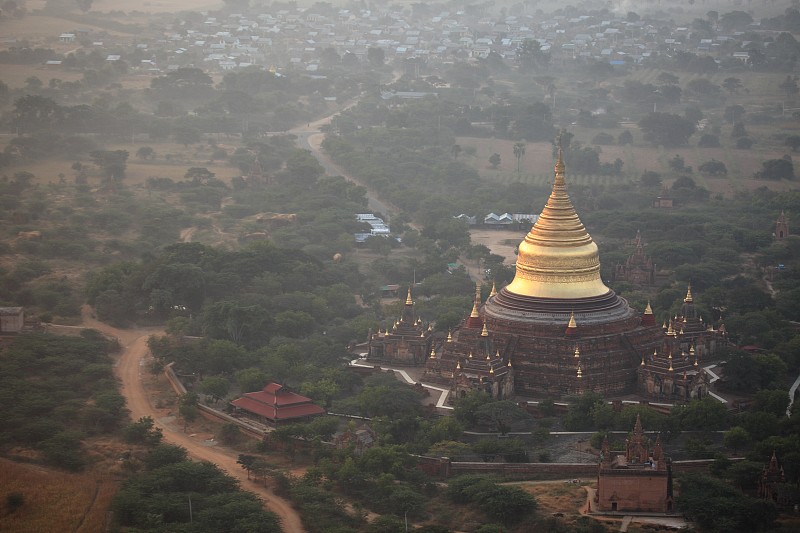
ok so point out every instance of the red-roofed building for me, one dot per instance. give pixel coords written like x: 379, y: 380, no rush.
x: 275, y: 405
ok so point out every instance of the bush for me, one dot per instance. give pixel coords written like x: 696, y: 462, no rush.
x: 744, y: 143
x: 229, y: 434
x: 603, y: 138
x: 713, y: 167
x: 14, y: 500
x: 708, y: 141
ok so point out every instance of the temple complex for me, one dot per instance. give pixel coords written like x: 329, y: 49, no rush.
x: 639, y: 268
x: 640, y: 480
x: 557, y: 327
x: 406, y: 342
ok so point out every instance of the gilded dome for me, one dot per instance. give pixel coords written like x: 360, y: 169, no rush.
x: 558, y: 258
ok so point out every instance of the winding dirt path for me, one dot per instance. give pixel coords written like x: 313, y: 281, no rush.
x: 129, y: 369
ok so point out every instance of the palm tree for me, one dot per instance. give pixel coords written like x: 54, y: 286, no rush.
x: 519, y: 151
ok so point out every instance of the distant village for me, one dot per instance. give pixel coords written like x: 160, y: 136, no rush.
x: 294, y: 39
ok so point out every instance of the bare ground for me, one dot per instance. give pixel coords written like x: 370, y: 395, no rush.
x: 140, y: 402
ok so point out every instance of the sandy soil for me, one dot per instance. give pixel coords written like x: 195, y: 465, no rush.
x: 500, y: 242
x: 129, y: 370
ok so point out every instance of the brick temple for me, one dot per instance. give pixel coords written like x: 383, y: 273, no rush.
x: 557, y: 329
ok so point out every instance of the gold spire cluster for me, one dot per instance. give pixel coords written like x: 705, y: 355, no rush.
x: 557, y: 258
x: 476, y: 303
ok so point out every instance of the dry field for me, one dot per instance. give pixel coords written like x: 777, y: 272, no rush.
x: 172, y: 161
x: 55, y: 501
x: 537, y: 164
x: 500, y: 242
x: 558, y: 497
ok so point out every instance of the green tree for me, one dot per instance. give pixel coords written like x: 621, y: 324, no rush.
x: 519, y: 153
x: 164, y: 454
x: 717, y: 507
x: 112, y: 163
x: 375, y: 56
x: 35, y: 113
x: 666, y: 129
x: 251, y: 379
x: 736, y: 438
x: 494, y: 159
x: 465, y: 409
x: 146, y: 152
x: 324, y: 390
x: 143, y: 431
x: 789, y: 86
x: 187, y: 135
x: 793, y: 142
x: 776, y: 169
x: 187, y: 409
x: 501, y: 415
x: 705, y: 414
x: 732, y: 85
x: 216, y: 386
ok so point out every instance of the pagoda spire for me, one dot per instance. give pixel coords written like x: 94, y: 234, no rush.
x: 409, y: 301
x: 688, y: 298
x: 558, y: 258
x: 647, y: 318
x: 638, y: 432
x: 572, y: 326
x: 474, y: 320
x: 494, y: 289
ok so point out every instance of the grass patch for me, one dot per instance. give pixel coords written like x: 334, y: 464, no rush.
x: 55, y: 501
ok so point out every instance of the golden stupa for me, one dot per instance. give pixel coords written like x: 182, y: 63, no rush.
x: 558, y: 258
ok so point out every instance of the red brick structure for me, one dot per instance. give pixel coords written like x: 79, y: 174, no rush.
x: 781, y: 227
x: 406, y: 342
x: 12, y: 320
x: 556, y: 325
x: 639, y: 268
x: 640, y: 480
x: 275, y: 405
x: 664, y: 200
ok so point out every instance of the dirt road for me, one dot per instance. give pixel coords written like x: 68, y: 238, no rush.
x: 129, y: 369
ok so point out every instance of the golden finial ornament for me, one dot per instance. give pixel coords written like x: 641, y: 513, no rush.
x: 580, y: 372
x: 484, y: 331
x: 577, y: 352
x: 458, y: 365
x: 642, y: 363
x: 494, y: 290
x: 433, y: 352
x: 648, y: 310
x: 470, y: 354
x: 449, y: 335
x: 491, y: 370
x: 409, y: 301
x: 688, y: 298
x: 572, y: 323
